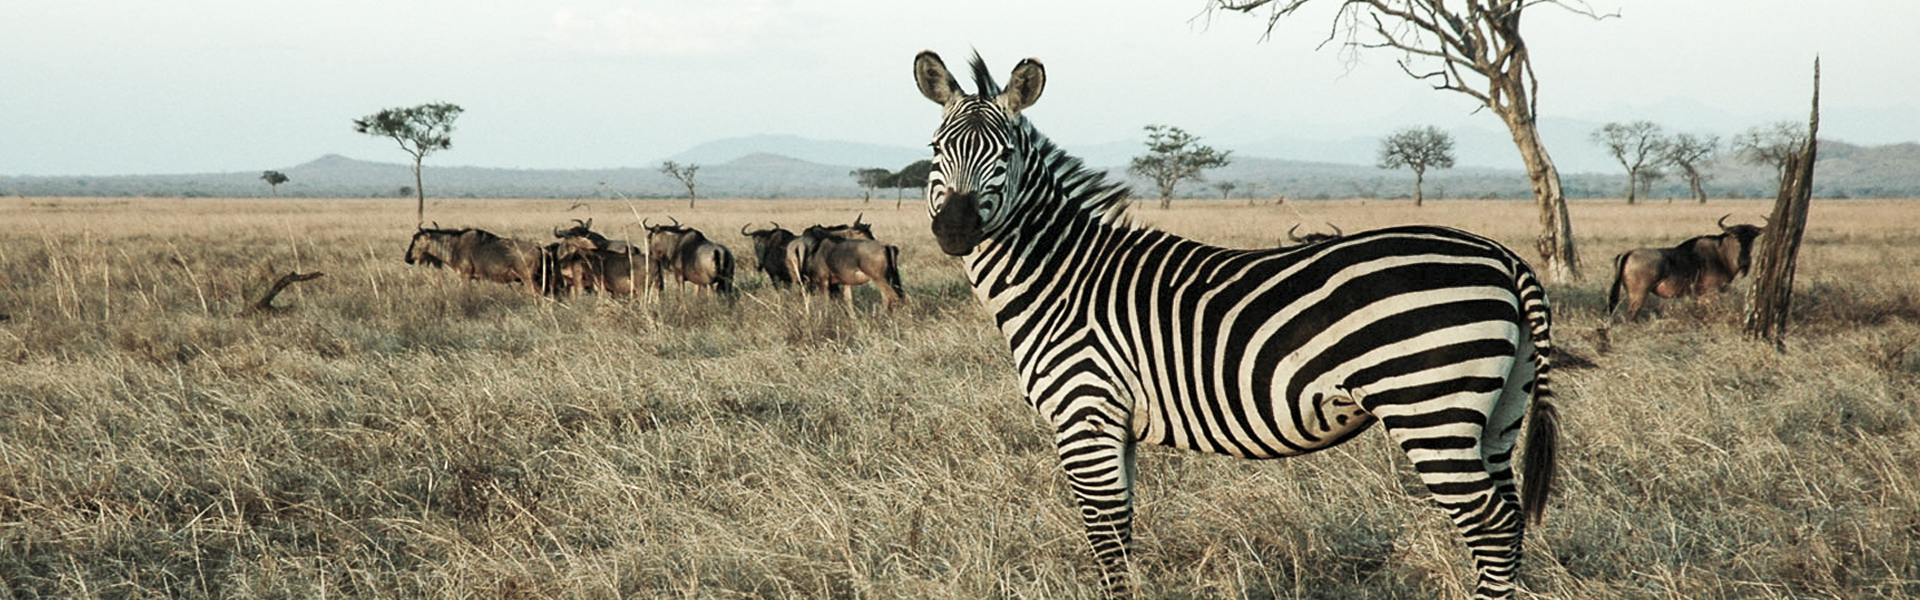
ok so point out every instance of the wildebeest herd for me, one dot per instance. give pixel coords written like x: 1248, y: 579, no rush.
x: 820, y: 259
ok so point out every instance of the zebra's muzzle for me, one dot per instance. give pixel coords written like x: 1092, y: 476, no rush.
x: 958, y: 226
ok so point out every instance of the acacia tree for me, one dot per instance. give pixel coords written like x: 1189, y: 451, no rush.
x: 1688, y: 152
x: 1637, y: 146
x: 1226, y: 188
x: 274, y: 179
x: 420, y: 130
x: 1771, y: 145
x: 910, y: 176
x: 1482, y: 55
x: 684, y: 174
x: 1173, y: 155
x: 1417, y: 148
x: 870, y: 179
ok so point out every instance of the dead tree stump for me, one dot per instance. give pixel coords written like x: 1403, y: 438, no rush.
x: 265, y: 303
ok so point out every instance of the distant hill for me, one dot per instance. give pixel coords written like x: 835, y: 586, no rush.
x: 1844, y: 171
x: 826, y: 152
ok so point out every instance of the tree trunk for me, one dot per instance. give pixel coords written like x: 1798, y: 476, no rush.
x: 1772, y: 299
x: 420, y: 205
x: 1419, y: 176
x: 1556, y: 231
x: 1693, y: 181
x: 1633, y: 184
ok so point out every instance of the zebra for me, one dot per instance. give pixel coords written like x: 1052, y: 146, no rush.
x: 1122, y: 334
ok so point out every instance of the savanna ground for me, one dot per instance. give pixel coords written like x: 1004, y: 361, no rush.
x: 395, y: 433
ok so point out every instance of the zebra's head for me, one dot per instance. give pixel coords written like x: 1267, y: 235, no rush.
x: 976, y: 160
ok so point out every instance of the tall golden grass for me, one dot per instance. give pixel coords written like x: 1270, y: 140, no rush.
x: 397, y: 433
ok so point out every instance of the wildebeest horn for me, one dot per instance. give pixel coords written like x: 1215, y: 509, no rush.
x: 856, y: 219
x: 556, y: 232
x: 743, y: 230
x: 676, y: 222
x: 1723, y: 221
x: 643, y: 223
x: 1336, y: 230
x: 1291, y: 236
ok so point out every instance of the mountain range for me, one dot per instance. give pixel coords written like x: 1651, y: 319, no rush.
x: 794, y: 167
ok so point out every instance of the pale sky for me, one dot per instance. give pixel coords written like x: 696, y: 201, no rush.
x: 102, y: 87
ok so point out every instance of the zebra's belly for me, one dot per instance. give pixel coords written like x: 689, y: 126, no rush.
x: 1256, y: 427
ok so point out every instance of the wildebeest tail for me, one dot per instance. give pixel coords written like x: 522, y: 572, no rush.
x: 893, y: 271
x: 1541, y: 455
x: 1619, y: 276
x: 723, y: 264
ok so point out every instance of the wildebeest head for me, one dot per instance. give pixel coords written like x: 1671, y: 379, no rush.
x: 429, y: 246
x: 770, y: 250
x: 1740, y: 253
x: 1312, y: 238
x: 582, y: 229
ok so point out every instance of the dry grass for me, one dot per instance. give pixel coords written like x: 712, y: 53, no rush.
x: 399, y: 434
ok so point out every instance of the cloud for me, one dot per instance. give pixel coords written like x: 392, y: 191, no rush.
x: 678, y: 29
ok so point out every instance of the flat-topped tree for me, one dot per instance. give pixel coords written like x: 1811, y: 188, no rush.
x: 1173, y: 156
x: 420, y: 130
x: 1417, y: 148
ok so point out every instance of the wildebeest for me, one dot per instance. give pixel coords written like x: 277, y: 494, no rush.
x: 798, y: 247
x: 478, y: 254
x: 846, y: 263
x: 1702, y: 265
x: 770, y: 251
x: 585, y: 260
x: 1310, y: 238
x: 689, y: 255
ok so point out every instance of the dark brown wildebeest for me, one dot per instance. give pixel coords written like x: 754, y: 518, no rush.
x: 770, y: 251
x: 846, y: 263
x: 584, y: 260
x: 799, y: 246
x: 689, y: 255
x: 1702, y: 265
x: 478, y: 254
x: 1311, y: 238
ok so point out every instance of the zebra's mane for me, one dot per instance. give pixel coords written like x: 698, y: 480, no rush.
x: 1105, y: 201
x: 982, y: 78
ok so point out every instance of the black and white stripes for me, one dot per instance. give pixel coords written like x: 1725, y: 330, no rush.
x: 1123, y: 334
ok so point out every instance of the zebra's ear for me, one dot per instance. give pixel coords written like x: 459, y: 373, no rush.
x: 1029, y: 78
x: 935, y: 82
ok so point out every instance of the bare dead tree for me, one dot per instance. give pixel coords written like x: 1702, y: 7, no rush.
x: 1772, y: 298
x: 1637, y: 146
x: 1481, y: 54
x: 265, y: 303
x: 1688, y: 152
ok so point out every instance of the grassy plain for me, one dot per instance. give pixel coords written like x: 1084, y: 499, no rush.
x: 394, y: 433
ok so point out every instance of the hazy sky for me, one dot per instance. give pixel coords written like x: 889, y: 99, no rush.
x: 97, y: 87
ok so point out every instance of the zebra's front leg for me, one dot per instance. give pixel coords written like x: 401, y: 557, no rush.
x: 1097, y: 454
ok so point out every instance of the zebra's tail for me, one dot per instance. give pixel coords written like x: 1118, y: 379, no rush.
x: 1540, y: 459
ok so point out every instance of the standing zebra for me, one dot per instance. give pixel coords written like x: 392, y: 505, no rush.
x: 1122, y: 334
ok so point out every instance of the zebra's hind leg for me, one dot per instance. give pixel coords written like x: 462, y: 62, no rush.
x: 1445, y: 448
x: 1097, y: 455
